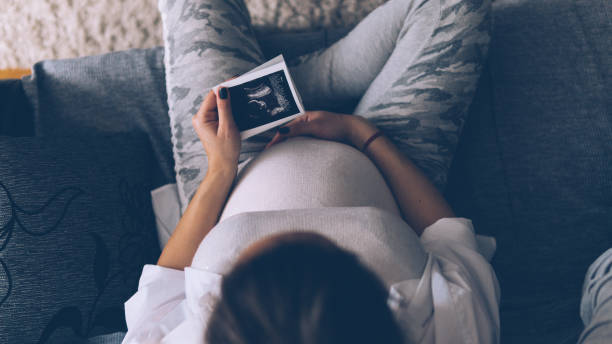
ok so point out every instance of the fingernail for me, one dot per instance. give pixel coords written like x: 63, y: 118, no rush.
x: 284, y: 130
x: 223, y: 93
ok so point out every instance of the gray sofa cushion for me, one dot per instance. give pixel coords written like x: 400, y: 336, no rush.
x: 550, y: 115
x: 76, y: 228
x: 115, y: 93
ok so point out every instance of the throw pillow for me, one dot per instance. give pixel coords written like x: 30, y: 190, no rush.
x: 76, y: 228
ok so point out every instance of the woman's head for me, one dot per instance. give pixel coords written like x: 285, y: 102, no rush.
x: 301, y: 288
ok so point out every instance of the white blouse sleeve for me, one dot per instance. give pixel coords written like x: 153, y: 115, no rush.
x: 171, y: 305
x: 457, y: 298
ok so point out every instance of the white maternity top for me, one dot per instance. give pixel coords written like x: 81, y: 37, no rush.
x: 441, y: 287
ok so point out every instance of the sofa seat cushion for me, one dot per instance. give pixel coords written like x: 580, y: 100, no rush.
x: 551, y: 72
x: 75, y: 231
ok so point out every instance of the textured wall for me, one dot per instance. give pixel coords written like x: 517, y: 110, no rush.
x: 32, y: 30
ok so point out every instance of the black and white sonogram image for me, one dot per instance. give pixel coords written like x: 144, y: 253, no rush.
x: 262, y: 100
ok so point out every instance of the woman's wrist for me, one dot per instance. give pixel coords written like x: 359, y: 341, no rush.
x: 360, y: 130
x: 214, y: 187
x: 226, y: 171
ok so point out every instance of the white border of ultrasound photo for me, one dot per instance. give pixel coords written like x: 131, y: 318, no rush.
x: 259, y: 72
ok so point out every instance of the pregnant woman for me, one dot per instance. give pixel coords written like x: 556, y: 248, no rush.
x: 334, y: 233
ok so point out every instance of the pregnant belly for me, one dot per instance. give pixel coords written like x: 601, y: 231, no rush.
x: 304, y: 173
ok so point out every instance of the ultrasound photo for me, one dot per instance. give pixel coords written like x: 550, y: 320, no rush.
x: 263, y: 100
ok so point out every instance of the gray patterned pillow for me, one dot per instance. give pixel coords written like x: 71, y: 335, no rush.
x: 76, y: 228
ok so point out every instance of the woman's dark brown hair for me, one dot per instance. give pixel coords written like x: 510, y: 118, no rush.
x: 303, y: 290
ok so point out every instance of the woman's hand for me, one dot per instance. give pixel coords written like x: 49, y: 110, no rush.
x: 215, y: 126
x: 349, y: 129
x: 217, y: 130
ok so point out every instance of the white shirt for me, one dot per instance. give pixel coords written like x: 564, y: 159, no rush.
x: 456, y: 300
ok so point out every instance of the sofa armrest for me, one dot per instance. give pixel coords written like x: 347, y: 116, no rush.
x: 16, y: 118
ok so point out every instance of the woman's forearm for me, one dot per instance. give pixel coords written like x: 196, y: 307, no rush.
x: 199, y: 218
x: 420, y: 202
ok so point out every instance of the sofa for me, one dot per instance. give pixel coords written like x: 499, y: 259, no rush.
x: 81, y: 148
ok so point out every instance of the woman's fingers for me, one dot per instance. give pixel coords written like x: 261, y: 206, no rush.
x: 225, y: 103
x: 297, y: 127
x: 209, y: 107
x: 276, y: 139
x: 224, y: 106
x: 207, y: 111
